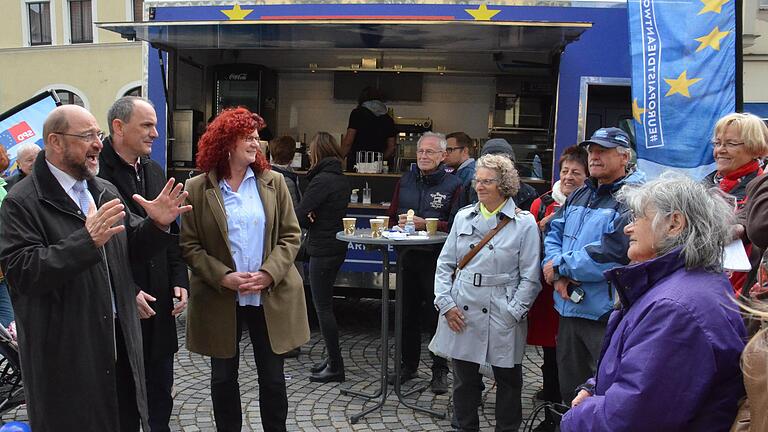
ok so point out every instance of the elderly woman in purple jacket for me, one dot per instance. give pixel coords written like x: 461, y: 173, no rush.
x: 670, y: 357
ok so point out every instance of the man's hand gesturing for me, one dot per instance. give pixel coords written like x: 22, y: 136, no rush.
x: 100, y: 223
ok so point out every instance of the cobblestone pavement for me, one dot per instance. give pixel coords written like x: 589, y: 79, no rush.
x: 321, y: 407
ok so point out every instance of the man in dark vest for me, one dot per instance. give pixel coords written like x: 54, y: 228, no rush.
x: 431, y: 193
x: 125, y: 163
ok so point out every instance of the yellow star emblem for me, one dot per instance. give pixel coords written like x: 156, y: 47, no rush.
x: 712, y: 40
x: 236, y: 13
x: 637, y: 111
x: 715, y: 6
x: 482, y: 13
x: 681, y: 84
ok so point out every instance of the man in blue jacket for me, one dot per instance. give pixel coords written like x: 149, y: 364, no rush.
x: 585, y: 239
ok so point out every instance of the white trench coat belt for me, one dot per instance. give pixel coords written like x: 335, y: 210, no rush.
x: 494, y: 291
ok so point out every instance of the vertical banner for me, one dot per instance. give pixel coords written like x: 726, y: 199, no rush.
x: 24, y: 124
x: 683, y: 80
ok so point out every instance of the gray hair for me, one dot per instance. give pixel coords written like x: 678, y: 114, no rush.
x: 122, y: 110
x: 708, y: 217
x: 506, y: 173
x: 440, y: 139
x: 27, y: 148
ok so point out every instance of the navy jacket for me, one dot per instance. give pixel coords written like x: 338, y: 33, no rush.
x: 437, y: 195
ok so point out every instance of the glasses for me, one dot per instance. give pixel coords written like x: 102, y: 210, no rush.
x: 86, y: 137
x: 429, y: 153
x: 728, y: 145
x: 451, y: 149
x: 484, y: 182
x: 250, y: 139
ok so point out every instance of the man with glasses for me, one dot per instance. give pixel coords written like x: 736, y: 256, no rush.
x: 430, y: 192
x: 125, y: 162
x: 457, y: 157
x: 66, y: 256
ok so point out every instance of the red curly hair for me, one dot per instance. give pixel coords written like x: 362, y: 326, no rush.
x: 220, y: 138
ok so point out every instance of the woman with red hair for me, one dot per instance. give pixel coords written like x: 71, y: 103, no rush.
x: 240, y: 241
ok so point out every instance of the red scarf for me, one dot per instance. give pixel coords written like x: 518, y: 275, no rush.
x: 730, y: 181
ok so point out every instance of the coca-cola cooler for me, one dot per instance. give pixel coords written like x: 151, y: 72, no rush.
x: 249, y: 85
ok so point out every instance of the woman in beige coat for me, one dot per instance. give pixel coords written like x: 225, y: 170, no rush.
x: 240, y: 242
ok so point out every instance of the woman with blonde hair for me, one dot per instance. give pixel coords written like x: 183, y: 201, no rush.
x: 738, y: 142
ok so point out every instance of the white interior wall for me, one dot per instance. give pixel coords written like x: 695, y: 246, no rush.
x: 455, y: 103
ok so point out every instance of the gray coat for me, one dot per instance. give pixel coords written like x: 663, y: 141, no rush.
x: 494, y: 291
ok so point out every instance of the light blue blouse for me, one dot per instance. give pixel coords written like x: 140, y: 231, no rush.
x: 246, y: 222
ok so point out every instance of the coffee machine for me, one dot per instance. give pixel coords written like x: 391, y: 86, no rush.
x: 408, y: 131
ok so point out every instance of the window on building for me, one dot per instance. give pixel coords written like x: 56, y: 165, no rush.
x: 69, y: 98
x: 80, y: 21
x: 136, y: 91
x: 763, y: 4
x: 39, y: 14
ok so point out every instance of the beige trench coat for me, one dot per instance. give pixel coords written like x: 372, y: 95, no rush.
x: 211, y: 315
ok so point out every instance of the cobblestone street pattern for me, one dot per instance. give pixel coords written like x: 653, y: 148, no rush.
x: 321, y: 407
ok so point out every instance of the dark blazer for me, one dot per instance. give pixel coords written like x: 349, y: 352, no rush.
x: 158, y: 275
x: 327, y: 195
x: 61, y: 285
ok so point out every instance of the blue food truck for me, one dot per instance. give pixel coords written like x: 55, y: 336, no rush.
x: 541, y: 74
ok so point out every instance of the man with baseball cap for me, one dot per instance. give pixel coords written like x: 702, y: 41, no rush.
x: 586, y: 238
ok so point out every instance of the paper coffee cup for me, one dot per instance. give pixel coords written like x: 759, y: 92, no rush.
x: 349, y: 225
x: 432, y: 225
x: 385, y: 220
x: 376, y: 227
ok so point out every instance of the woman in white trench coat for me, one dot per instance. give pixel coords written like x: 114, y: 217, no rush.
x: 483, y: 310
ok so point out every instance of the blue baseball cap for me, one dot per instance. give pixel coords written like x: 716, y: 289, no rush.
x: 609, y: 138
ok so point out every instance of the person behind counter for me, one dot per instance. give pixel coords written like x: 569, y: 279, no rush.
x: 321, y: 211
x: 370, y: 128
x: 240, y: 242
x: 483, y: 320
x: 431, y: 193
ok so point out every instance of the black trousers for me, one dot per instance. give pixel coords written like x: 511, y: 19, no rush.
x: 322, y: 276
x: 225, y: 390
x: 467, y: 392
x: 418, y: 305
x: 126, y: 388
x: 549, y: 375
x: 579, y: 342
x: 159, y: 379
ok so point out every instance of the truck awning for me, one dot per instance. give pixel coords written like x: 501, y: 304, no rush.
x: 441, y: 36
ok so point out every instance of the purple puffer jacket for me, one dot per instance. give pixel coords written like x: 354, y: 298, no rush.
x: 670, y: 359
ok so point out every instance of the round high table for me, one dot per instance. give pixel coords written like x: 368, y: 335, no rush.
x: 363, y: 236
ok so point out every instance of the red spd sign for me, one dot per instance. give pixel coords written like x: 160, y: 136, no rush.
x: 21, y: 132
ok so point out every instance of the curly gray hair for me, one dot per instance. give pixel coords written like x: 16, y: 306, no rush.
x: 708, y: 217
x: 506, y: 173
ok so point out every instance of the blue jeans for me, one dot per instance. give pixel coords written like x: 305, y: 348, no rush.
x: 6, y: 309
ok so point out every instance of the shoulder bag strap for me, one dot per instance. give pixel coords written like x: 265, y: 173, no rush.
x: 475, y: 250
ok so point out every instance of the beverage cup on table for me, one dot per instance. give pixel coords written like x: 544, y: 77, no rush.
x: 349, y: 225
x: 376, y: 226
x: 385, y: 222
x: 432, y: 226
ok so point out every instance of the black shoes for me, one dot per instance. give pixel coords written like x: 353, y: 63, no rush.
x: 439, y: 383
x: 327, y: 374
x: 406, y: 374
x: 318, y: 367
